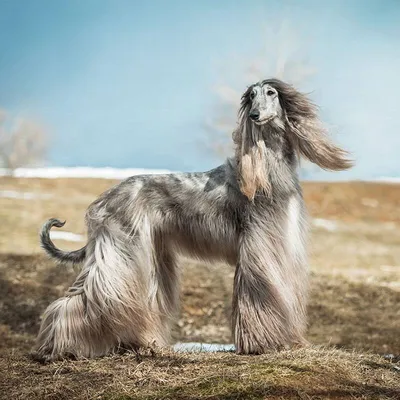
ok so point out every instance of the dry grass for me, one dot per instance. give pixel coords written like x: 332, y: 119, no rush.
x: 354, y: 309
x: 298, y: 374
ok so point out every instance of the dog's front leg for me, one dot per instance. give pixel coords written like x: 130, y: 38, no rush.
x: 263, y: 316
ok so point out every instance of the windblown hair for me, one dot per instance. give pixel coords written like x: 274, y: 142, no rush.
x: 306, y: 133
x: 248, y: 212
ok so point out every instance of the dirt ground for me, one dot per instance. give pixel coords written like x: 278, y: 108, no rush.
x: 354, y: 310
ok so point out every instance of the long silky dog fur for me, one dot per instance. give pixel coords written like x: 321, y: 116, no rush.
x: 248, y: 212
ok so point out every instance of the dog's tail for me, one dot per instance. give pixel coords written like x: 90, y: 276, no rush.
x: 74, y: 257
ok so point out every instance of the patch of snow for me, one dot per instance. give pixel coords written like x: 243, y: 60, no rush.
x: 370, y: 202
x: 80, y: 172
x: 12, y: 194
x: 68, y: 236
x: 390, y: 285
x: 389, y: 225
x: 120, y: 173
x: 325, y: 224
x: 390, y: 268
x: 194, y: 347
x: 388, y: 179
x: 115, y: 173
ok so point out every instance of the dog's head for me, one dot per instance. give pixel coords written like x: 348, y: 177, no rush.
x: 262, y: 103
x: 273, y: 104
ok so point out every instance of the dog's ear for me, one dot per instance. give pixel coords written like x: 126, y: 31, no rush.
x: 312, y: 142
x: 251, y: 156
x: 307, y: 133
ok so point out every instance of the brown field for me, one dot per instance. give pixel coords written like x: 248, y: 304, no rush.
x: 354, y: 311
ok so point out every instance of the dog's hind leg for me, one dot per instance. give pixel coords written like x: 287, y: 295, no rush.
x: 122, y: 296
x: 166, y: 301
x: 66, y: 329
x: 160, y: 294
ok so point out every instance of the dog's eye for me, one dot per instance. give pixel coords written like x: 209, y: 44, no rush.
x: 252, y: 94
x: 270, y: 92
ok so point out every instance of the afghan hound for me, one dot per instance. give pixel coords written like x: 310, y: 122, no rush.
x: 248, y: 212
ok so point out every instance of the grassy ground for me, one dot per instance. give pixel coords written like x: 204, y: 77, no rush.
x: 354, y: 311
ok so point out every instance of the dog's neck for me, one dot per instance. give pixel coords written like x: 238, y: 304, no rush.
x: 274, y: 139
x: 279, y: 148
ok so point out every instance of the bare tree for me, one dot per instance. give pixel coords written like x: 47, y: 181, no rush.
x: 23, y: 142
x: 284, y: 56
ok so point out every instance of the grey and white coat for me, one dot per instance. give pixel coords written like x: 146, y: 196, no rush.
x: 248, y: 212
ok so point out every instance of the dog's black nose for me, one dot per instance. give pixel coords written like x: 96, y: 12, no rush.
x: 254, y: 115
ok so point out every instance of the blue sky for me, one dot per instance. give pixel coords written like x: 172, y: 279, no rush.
x: 130, y: 83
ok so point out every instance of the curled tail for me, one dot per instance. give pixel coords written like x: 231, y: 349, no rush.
x: 74, y: 257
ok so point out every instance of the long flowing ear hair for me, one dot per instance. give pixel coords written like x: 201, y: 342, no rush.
x: 308, y: 136
x: 250, y: 152
x: 305, y: 131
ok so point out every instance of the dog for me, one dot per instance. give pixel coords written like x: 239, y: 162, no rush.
x: 248, y: 212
